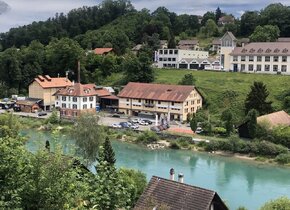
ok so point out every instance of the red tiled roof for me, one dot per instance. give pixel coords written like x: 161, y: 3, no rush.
x: 52, y: 82
x: 176, y: 195
x: 162, y: 92
x: 82, y: 90
x: 188, y: 42
x: 275, y: 119
x: 112, y: 97
x: 101, y: 51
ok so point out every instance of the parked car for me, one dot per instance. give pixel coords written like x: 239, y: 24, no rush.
x: 142, y: 122
x: 120, y: 112
x: 135, y: 120
x: 134, y: 126
x: 41, y: 114
x: 198, y: 130
x: 116, y: 125
x: 148, y: 121
x: 115, y: 115
x: 124, y: 125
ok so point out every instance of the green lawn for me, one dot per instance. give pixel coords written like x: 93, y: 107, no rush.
x: 216, y: 86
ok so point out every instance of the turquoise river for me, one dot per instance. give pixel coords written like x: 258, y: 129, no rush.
x: 238, y: 182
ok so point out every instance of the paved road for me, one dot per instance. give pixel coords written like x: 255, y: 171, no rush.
x: 105, y: 119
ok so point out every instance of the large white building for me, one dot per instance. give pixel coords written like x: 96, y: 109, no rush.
x: 255, y: 57
x: 183, y: 59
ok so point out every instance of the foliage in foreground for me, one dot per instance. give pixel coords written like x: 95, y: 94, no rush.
x: 282, y: 203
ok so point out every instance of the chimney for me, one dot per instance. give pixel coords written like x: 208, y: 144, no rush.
x: 79, y: 72
x: 171, y: 174
x: 180, y: 177
x: 66, y: 76
x: 73, y: 82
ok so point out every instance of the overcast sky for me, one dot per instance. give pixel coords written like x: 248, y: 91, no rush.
x: 23, y: 12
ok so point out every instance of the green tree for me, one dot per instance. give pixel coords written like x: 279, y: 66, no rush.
x: 252, y: 123
x: 267, y: 33
x: 109, y: 152
x: 257, y: 99
x: 249, y: 21
x: 193, y: 122
x: 210, y: 29
x: 282, y: 203
x: 207, y: 16
x: 53, y: 118
x: 109, y: 191
x: 218, y: 14
x: 138, y: 69
x: 188, y: 79
x: 135, y: 181
x: 227, y: 117
x: 88, y: 135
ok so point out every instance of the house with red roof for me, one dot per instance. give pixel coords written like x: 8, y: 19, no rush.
x: 103, y: 51
x: 175, y: 102
x: 79, y: 98
x: 44, y: 87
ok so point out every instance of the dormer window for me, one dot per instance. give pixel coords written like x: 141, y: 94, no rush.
x: 252, y: 50
x: 268, y: 50
x: 285, y: 50
x: 276, y: 50
x: 244, y: 50
x: 260, y: 50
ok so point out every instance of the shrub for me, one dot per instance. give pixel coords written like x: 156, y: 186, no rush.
x: 220, y: 131
x: 270, y: 149
x: 183, y: 142
x: 174, y: 145
x: 147, y: 137
x: 283, y: 158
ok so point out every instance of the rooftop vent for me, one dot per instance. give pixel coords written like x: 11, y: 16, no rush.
x: 169, y: 90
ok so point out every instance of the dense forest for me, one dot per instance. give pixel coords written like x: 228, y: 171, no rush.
x: 54, y: 46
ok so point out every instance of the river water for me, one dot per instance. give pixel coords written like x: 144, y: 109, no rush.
x: 238, y: 182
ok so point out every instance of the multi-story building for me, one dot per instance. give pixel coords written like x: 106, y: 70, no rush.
x: 74, y: 100
x: 175, y: 58
x: 44, y: 87
x: 175, y: 102
x: 262, y: 57
x: 255, y: 57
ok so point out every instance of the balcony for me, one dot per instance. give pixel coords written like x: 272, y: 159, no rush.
x: 149, y: 105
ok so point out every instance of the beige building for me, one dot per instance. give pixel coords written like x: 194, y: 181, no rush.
x: 172, y: 101
x: 228, y: 44
x: 43, y: 87
x: 262, y: 57
x: 188, y: 44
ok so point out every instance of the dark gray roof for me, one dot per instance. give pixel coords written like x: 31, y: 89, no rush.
x: 178, y: 196
x: 283, y: 39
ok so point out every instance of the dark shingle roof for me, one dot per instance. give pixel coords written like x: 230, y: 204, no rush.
x: 176, y: 195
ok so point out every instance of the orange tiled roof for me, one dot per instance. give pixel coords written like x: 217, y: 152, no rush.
x: 52, y: 82
x: 79, y: 89
x: 176, y: 93
x: 275, y: 119
x: 101, y: 51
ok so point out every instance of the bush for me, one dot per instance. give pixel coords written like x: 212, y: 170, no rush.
x: 282, y: 203
x: 220, y: 131
x: 174, y: 145
x: 183, y: 142
x: 283, y: 158
x: 147, y: 137
x: 281, y: 135
x: 270, y: 149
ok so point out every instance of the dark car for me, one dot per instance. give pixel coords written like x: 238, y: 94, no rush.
x: 148, y: 121
x: 124, y: 124
x: 120, y: 112
x: 41, y: 114
x: 116, y: 116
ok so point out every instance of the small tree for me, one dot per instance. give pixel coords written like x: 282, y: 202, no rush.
x: 227, y: 117
x: 53, y: 118
x: 193, y: 123
x: 282, y: 203
x: 267, y: 33
x: 88, y: 135
x: 188, y: 79
x: 252, y: 123
x: 257, y: 99
x: 109, y: 152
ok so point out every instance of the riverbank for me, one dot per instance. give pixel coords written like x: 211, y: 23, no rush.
x: 153, y: 141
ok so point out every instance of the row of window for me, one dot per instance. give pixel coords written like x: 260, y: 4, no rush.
x: 74, y: 106
x: 66, y: 113
x: 192, y: 102
x: 170, y: 52
x: 167, y: 59
x: 150, y: 101
x: 261, y: 58
x: 266, y: 67
x: 75, y: 99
